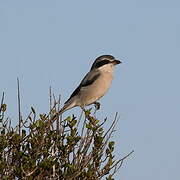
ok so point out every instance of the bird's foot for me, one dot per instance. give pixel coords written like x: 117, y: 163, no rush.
x: 97, y: 105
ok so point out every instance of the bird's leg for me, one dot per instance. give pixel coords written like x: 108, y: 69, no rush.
x: 83, y: 109
x: 97, y: 105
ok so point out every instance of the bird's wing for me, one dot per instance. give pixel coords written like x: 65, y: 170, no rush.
x: 89, y: 79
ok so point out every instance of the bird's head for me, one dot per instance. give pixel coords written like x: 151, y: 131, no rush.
x: 105, y: 63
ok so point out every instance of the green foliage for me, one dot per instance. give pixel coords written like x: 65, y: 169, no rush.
x: 51, y: 147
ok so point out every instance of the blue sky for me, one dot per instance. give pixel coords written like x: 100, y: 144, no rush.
x: 53, y: 43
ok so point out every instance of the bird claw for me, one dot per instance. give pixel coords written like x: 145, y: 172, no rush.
x: 97, y: 105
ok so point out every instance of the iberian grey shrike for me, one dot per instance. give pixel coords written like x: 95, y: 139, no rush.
x: 94, y: 85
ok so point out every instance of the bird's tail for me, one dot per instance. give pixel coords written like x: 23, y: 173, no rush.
x: 68, y: 105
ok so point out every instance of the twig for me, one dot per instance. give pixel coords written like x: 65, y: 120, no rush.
x: 50, y: 100
x: 121, y: 162
x: 19, y: 106
x: 112, y: 125
x: 1, y: 106
x: 2, y: 100
x: 58, y: 119
x: 80, y: 118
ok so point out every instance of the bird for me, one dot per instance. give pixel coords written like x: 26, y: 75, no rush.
x: 94, y: 85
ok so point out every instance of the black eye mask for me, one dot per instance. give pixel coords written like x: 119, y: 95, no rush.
x: 102, y: 63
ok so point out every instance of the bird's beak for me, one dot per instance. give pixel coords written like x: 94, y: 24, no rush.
x: 115, y: 62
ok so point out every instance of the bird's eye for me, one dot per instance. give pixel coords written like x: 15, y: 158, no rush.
x: 102, y: 63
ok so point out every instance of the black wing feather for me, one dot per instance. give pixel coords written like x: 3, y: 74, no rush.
x: 88, y: 80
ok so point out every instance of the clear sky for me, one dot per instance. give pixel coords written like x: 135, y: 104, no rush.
x: 53, y: 43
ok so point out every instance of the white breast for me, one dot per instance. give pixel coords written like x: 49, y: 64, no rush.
x: 92, y: 93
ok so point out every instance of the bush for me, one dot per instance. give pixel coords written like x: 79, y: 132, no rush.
x: 49, y: 147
